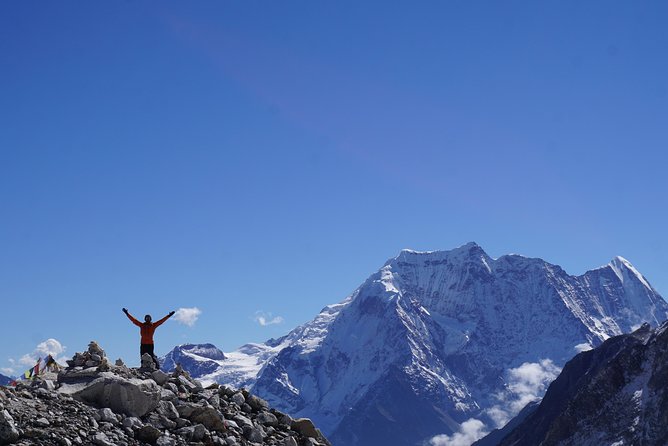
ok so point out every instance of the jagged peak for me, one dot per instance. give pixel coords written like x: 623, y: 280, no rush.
x: 624, y: 269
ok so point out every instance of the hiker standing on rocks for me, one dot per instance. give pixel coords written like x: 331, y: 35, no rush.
x: 147, y: 328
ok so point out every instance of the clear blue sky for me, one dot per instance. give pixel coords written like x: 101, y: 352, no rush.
x: 245, y: 157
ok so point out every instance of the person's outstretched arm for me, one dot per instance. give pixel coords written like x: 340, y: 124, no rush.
x: 134, y: 321
x: 171, y: 313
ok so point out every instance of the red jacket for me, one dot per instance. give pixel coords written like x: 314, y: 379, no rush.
x: 147, y: 328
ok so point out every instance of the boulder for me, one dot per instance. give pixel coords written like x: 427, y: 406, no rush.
x: 107, y: 415
x: 206, y: 415
x: 148, y: 434
x: 132, y: 397
x: 267, y: 419
x: 167, y: 409
x: 305, y: 427
x: 254, y: 434
x: 160, y: 377
x: 193, y: 433
x: 257, y: 403
x: 8, y: 432
x: 238, y: 398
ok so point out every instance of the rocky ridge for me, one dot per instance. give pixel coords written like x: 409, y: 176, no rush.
x: 615, y: 394
x: 94, y: 402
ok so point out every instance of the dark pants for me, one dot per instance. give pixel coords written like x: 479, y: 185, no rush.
x: 148, y: 348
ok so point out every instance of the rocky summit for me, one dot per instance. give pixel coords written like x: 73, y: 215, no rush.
x: 94, y: 402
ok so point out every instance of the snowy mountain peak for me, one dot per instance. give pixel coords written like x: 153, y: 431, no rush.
x: 467, y: 251
x: 625, y: 271
x: 432, y: 338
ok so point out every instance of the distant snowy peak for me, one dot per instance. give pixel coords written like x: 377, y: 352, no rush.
x: 5, y: 380
x: 625, y: 271
x: 198, y: 359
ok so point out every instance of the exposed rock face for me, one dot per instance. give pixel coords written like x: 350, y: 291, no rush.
x: 107, y: 405
x: 614, y: 394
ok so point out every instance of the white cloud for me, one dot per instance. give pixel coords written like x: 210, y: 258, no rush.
x: 187, y: 316
x: 526, y: 383
x: 583, y: 347
x: 51, y: 347
x: 7, y: 371
x: 265, y: 319
x: 469, y: 431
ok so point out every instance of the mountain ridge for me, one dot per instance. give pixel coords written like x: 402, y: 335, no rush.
x: 447, y: 326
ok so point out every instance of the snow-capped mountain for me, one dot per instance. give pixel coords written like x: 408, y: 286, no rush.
x: 427, y: 342
x: 198, y: 359
x: 615, y: 394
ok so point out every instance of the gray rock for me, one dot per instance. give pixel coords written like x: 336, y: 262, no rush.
x: 185, y: 382
x: 289, y: 441
x: 305, y: 427
x: 286, y: 420
x: 101, y: 439
x: 267, y: 418
x: 257, y: 403
x: 160, y: 377
x: 172, y: 387
x: 147, y: 364
x: 206, y: 415
x: 42, y: 422
x: 8, y: 432
x: 148, y: 434
x: 238, y: 398
x: 167, y: 409
x: 181, y: 422
x: 132, y: 397
x: 168, y: 395
x: 231, y: 424
x: 47, y: 384
x: 166, y: 441
x: 254, y: 434
x: 107, y: 415
x: 132, y: 423
x: 193, y: 433
x: 242, y: 420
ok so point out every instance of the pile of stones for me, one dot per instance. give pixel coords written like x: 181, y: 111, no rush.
x: 93, y: 402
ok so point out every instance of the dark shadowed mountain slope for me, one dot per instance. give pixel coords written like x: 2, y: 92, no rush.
x: 615, y: 394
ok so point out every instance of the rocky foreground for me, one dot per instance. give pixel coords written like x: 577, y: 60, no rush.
x: 93, y: 402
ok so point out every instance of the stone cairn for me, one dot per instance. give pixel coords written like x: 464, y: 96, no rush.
x: 93, y: 402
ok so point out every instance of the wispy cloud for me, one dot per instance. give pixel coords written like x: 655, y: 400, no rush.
x: 469, y: 431
x: 7, y: 371
x: 187, y: 316
x: 265, y: 319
